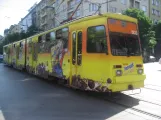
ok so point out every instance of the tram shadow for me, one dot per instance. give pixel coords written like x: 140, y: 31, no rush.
x: 118, y: 98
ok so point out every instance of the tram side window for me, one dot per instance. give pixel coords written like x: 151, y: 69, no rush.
x: 96, y: 40
x: 74, y: 48
x: 39, y: 39
x: 30, y: 47
x: 52, y: 36
x: 42, y: 38
x: 62, y: 35
x: 47, y: 37
x: 20, y: 44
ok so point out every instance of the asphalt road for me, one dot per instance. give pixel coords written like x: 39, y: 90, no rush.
x: 26, y: 97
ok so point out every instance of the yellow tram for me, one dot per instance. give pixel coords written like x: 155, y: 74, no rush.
x: 96, y: 53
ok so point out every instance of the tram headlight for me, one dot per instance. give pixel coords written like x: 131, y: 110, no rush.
x: 118, y: 72
x: 140, y: 71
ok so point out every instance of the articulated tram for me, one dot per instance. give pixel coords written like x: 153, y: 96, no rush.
x: 97, y: 53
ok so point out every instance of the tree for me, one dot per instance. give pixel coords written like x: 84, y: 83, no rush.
x: 18, y: 36
x: 32, y: 30
x: 147, y: 36
x: 150, y: 39
x: 157, y: 28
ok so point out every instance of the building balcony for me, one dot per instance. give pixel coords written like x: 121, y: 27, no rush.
x: 43, y: 22
x: 51, y: 3
x: 43, y: 6
x: 43, y: 14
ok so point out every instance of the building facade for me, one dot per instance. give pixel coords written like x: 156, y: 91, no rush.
x: 50, y: 13
x: 64, y: 9
x: 29, y: 19
x: 155, y: 10
x: 41, y: 18
x: 15, y: 29
x: 121, y: 5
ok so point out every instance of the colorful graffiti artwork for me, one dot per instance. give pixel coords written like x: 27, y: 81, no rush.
x: 21, y: 52
x: 58, y: 51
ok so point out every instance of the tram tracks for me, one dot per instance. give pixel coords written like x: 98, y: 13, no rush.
x: 133, y: 108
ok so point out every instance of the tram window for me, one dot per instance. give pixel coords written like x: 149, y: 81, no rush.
x: 52, y: 36
x: 74, y: 48
x: 20, y: 44
x: 96, y: 40
x: 42, y: 38
x: 39, y: 39
x: 30, y: 47
x: 48, y: 37
x: 62, y: 34
x: 79, y: 47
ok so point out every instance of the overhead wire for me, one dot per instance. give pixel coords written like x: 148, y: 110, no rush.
x: 8, y: 7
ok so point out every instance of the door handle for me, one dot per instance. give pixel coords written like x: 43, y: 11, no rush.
x: 68, y: 60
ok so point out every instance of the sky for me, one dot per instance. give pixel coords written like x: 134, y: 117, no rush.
x: 11, y: 12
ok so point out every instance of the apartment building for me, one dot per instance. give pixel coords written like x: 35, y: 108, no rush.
x: 90, y: 7
x: 121, y: 5
x: 15, y: 29
x: 29, y: 19
x: 50, y: 13
x: 155, y: 10
x: 44, y: 17
x: 41, y: 17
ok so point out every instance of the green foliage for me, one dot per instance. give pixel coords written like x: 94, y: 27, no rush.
x: 147, y: 35
x: 31, y: 30
x: 150, y: 39
x: 18, y: 36
x: 157, y: 29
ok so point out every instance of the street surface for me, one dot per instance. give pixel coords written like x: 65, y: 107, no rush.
x: 26, y: 97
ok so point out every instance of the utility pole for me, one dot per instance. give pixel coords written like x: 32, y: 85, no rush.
x: 75, y: 10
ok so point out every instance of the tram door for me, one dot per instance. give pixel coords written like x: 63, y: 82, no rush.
x: 76, y: 53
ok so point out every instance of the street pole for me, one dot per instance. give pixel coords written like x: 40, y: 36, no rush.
x: 107, y: 6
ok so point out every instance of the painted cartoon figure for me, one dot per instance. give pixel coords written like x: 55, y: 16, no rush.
x: 58, y: 51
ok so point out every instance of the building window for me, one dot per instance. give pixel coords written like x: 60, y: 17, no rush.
x: 137, y: 5
x: 157, y: 13
x: 93, y: 7
x: 144, y: 8
x: 78, y: 1
x: 123, y: 2
x: 71, y: 4
x: 131, y: 3
x: 157, y: 3
x: 77, y: 14
x: 153, y: 11
x: 153, y: 2
x: 113, y: 9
